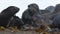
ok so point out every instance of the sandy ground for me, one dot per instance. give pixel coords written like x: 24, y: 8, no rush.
x: 18, y: 32
x: 24, y: 32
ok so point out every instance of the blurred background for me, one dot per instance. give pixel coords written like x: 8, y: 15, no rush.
x: 22, y: 4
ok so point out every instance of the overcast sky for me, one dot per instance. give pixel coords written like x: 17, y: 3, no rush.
x: 22, y: 4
